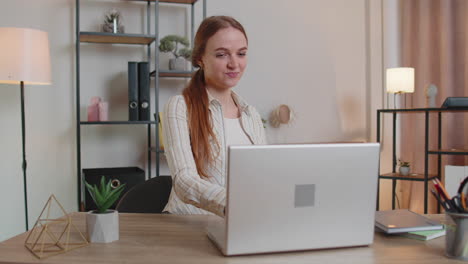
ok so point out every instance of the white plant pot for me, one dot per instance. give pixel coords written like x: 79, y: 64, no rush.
x: 404, y: 171
x: 103, y: 228
x: 178, y: 64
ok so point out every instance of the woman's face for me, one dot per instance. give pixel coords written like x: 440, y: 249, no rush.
x: 225, y: 59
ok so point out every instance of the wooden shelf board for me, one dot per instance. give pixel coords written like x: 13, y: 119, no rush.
x: 423, y: 110
x: 117, y: 122
x: 170, y: 1
x: 449, y: 151
x: 112, y: 38
x: 410, y: 177
x: 173, y: 74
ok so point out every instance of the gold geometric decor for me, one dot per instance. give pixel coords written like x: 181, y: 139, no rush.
x: 50, y: 237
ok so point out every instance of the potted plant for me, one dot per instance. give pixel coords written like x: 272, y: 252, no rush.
x: 404, y: 167
x: 170, y: 44
x: 113, y: 22
x: 103, y: 224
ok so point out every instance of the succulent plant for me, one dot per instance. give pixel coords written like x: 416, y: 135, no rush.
x: 104, y: 195
x: 402, y: 163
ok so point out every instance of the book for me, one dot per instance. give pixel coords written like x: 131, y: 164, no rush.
x: 404, y: 220
x: 424, y: 235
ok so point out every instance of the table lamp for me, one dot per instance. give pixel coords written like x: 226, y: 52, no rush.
x: 24, y: 60
x: 399, y: 81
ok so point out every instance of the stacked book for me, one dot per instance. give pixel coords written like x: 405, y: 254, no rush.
x: 408, y: 224
x: 138, y: 91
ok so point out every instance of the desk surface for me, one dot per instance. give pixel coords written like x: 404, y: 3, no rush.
x: 154, y: 238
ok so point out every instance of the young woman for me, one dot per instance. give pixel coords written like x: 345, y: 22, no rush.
x: 208, y: 117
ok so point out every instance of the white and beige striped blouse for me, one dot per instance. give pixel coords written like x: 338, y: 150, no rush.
x: 190, y: 193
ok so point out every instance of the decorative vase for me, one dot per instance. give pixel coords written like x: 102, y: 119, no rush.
x: 102, y: 228
x: 177, y: 64
x: 404, y: 171
x: 113, y: 28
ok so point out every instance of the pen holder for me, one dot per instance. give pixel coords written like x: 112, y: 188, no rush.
x: 456, y: 239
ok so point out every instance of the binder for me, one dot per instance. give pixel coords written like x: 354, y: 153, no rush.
x: 144, y: 91
x: 133, y: 91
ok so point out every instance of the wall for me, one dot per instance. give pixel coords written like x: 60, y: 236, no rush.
x: 322, y: 57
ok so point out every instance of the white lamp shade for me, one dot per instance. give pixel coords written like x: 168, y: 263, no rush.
x: 24, y: 56
x: 400, y: 80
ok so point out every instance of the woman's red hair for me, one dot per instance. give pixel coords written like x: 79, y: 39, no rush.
x: 196, y: 96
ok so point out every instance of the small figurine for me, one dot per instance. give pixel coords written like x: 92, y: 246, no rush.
x: 431, y: 93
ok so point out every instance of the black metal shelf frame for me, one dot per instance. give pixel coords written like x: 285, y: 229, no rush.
x: 427, y: 152
x: 150, y: 150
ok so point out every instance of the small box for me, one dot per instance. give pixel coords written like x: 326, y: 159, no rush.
x: 130, y: 176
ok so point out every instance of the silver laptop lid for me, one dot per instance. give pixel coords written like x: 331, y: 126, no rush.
x: 297, y: 197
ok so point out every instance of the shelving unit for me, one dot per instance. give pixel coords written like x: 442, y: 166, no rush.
x: 148, y: 40
x: 425, y: 177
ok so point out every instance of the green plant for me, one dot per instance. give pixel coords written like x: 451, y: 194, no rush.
x: 402, y: 163
x: 104, y: 195
x: 264, y: 121
x: 171, y: 43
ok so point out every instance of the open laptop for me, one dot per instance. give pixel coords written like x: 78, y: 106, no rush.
x: 298, y: 197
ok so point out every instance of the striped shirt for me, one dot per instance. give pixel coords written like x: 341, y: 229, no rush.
x: 190, y: 193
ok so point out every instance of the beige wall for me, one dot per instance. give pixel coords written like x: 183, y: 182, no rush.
x: 322, y: 57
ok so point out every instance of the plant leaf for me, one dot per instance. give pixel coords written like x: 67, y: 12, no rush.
x: 115, y: 194
x: 99, y: 198
x: 102, y: 185
x: 108, y: 187
x: 91, y: 191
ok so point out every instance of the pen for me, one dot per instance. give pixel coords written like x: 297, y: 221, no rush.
x: 442, y: 188
x: 439, y: 199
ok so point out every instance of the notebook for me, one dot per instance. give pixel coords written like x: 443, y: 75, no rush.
x: 424, y: 235
x: 404, y: 220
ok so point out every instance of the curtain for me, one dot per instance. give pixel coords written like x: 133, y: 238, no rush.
x: 434, y: 42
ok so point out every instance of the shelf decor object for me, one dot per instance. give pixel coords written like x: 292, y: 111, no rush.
x: 149, y: 40
x: 50, y: 237
x: 170, y: 44
x: 113, y: 22
x: 25, y: 60
x: 400, y: 81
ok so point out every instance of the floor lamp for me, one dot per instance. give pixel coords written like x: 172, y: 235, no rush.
x: 24, y: 60
x: 400, y: 81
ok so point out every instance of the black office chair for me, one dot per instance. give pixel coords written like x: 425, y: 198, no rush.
x: 148, y: 197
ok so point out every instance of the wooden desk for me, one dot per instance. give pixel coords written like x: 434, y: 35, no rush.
x: 151, y: 238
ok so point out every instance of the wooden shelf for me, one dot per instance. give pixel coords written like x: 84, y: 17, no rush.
x: 170, y: 1
x: 423, y: 110
x: 449, y: 151
x: 410, y: 177
x: 116, y: 38
x: 117, y: 123
x: 173, y: 74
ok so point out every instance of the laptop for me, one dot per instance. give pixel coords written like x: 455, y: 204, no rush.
x: 298, y: 197
x: 455, y: 102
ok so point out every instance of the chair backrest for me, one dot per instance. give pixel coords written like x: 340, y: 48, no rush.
x: 148, y: 197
